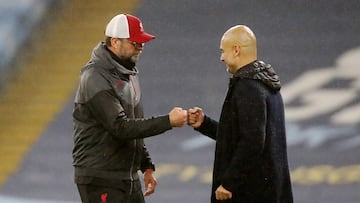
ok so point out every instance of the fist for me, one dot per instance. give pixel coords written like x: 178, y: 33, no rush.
x: 195, y: 117
x: 222, y: 194
x: 178, y: 117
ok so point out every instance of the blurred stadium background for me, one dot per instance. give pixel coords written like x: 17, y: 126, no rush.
x: 314, y: 46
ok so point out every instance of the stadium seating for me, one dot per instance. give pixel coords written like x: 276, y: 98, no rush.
x: 17, y: 19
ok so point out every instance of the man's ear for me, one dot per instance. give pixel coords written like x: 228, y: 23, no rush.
x: 114, y: 41
x: 237, y: 50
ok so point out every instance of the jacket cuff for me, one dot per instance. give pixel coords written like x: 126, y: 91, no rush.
x: 150, y: 166
x: 204, y: 127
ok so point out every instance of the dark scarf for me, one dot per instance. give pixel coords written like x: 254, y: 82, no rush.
x: 127, y: 63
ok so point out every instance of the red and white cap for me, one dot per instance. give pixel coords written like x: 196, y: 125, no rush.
x: 129, y: 27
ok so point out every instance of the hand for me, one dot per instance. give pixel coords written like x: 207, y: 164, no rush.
x: 150, y: 182
x: 222, y: 193
x: 178, y: 117
x: 195, y: 117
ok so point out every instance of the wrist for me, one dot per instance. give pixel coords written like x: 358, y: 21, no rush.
x: 149, y: 170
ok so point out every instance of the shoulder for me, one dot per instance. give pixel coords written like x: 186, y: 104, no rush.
x: 94, y: 79
x: 250, y: 87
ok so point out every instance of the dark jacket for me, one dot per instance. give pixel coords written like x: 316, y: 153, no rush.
x: 108, y: 122
x: 251, y: 155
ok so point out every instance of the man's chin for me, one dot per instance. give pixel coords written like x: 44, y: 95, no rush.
x: 134, y: 59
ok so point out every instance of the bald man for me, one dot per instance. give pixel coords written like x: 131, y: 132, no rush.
x: 251, y: 163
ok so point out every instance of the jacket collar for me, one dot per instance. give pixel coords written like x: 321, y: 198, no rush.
x: 258, y: 70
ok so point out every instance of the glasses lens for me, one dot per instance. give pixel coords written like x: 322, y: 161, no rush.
x: 137, y: 45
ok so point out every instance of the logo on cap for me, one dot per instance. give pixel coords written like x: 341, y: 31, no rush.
x: 128, y: 27
x: 141, y: 27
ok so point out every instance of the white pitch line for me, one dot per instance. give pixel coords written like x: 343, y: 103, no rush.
x: 9, y: 199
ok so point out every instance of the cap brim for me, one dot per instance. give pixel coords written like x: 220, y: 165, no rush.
x: 142, y: 38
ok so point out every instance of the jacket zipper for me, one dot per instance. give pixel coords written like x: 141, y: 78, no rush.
x: 134, y: 88
x: 135, y: 143
x: 131, y: 169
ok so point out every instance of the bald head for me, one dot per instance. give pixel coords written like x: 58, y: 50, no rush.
x: 240, y: 41
x: 240, y: 35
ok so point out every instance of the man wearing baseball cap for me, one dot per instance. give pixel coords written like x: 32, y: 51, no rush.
x: 109, y: 123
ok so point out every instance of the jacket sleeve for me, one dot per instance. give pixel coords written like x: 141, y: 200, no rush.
x: 146, y: 162
x: 208, y: 127
x: 108, y: 111
x: 251, y: 129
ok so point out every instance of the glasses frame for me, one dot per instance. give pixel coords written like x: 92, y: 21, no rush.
x: 137, y: 45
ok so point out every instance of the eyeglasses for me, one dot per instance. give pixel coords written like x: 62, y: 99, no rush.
x: 137, y: 45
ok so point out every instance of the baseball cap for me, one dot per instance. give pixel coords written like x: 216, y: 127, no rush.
x: 127, y: 26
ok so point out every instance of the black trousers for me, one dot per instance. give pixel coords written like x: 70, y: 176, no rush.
x: 90, y: 193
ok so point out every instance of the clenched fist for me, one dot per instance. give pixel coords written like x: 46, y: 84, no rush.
x: 195, y: 117
x: 222, y: 194
x: 178, y: 117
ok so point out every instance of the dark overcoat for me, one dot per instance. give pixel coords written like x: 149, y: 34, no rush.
x: 251, y: 152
